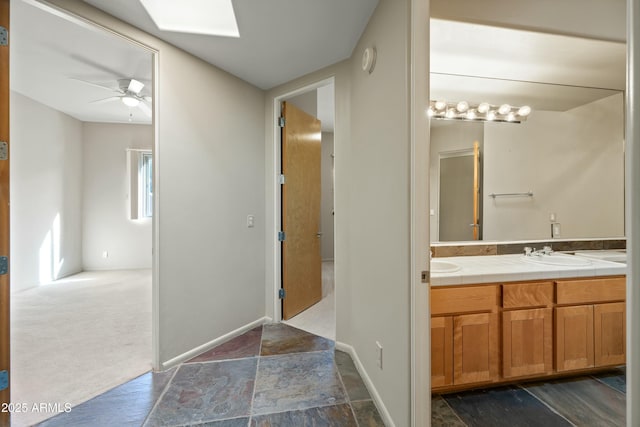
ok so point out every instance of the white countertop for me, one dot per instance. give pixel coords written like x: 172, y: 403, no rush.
x: 513, y: 268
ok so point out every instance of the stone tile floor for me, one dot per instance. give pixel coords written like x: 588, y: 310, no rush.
x: 273, y: 375
x: 589, y: 401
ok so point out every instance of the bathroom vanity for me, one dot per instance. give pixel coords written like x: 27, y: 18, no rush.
x: 498, y: 319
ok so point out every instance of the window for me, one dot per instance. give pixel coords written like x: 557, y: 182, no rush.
x: 146, y: 184
x: 140, y: 173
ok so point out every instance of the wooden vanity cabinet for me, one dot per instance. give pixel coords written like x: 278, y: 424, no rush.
x: 496, y: 333
x: 441, y: 351
x: 527, y: 329
x: 464, y: 335
x: 590, y: 323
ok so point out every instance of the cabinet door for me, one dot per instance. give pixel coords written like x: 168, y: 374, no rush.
x: 441, y: 351
x: 609, y: 333
x: 574, y: 337
x: 527, y: 342
x: 475, y: 348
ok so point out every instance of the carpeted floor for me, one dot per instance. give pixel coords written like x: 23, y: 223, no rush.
x: 77, y: 337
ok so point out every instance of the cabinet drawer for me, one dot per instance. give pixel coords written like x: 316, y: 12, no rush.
x: 470, y: 299
x: 588, y: 291
x: 523, y: 295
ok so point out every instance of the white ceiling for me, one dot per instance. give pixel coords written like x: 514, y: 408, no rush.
x: 501, y: 65
x: 279, y: 39
x: 47, y: 52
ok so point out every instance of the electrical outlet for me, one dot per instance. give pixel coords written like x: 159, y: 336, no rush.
x: 379, y: 350
x: 251, y: 221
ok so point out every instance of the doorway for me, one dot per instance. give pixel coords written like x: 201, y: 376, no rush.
x: 317, y: 315
x: 81, y: 282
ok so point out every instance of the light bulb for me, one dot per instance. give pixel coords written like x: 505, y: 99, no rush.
x: 524, y: 111
x: 462, y: 106
x: 511, y: 117
x: 430, y: 112
x: 450, y: 113
x: 504, y: 109
x: 491, y: 115
x: 440, y: 105
x: 483, y: 107
x: 130, y: 101
x: 471, y: 114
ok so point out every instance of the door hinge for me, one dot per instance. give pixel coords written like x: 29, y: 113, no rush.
x: 4, y: 36
x: 4, y: 380
x: 281, y: 293
x: 281, y: 179
x: 4, y: 265
x: 281, y: 236
x: 281, y: 122
x: 425, y: 276
x: 4, y: 150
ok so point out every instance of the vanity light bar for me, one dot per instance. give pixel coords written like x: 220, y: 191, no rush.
x: 484, y: 112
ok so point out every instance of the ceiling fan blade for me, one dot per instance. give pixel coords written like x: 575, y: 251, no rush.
x: 135, y: 86
x: 95, y: 85
x: 145, y: 109
x: 102, y: 101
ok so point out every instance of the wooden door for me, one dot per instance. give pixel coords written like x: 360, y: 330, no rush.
x: 4, y: 210
x: 475, y: 348
x: 527, y: 342
x: 609, y: 333
x: 301, y: 261
x: 441, y: 351
x: 574, y: 337
x: 476, y: 191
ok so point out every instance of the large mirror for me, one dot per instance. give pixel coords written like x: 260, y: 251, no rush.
x: 559, y: 173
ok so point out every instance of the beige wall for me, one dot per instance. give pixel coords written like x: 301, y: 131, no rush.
x: 326, y: 207
x: 105, y: 221
x: 46, y: 194
x: 572, y: 162
x: 378, y: 210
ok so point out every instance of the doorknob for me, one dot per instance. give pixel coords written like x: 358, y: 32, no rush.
x: 318, y: 234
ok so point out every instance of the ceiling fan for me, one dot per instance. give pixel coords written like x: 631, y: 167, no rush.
x: 129, y: 92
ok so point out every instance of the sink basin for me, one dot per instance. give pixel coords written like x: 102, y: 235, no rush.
x: 438, y: 266
x: 605, y: 255
x: 558, y: 259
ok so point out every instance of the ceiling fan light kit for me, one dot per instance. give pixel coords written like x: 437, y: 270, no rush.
x: 129, y: 92
x: 130, y: 101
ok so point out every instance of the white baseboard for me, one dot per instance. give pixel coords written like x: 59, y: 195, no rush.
x: 377, y: 400
x: 215, y: 342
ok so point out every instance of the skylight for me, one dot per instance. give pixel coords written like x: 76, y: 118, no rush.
x: 210, y: 17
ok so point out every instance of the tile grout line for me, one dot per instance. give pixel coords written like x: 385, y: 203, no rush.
x: 452, y: 410
x: 353, y: 412
x: 255, y: 379
x: 548, y: 405
x: 610, y: 386
x: 166, y: 387
x: 297, y: 352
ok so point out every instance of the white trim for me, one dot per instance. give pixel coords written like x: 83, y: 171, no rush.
x: 155, y: 226
x: 420, y: 355
x: 213, y: 343
x: 632, y: 213
x: 377, y: 400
